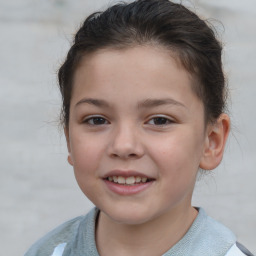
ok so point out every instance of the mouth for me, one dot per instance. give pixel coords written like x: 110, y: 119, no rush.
x: 128, y: 181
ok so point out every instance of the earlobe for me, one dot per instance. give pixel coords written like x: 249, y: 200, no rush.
x: 215, y: 141
x: 68, y: 146
x: 70, y: 159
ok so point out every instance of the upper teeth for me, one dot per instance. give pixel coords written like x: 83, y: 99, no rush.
x: 128, y: 180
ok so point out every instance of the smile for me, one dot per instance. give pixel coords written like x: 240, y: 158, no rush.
x: 132, y: 180
x: 127, y: 183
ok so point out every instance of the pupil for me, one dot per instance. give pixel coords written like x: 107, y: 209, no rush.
x: 98, y: 120
x: 160, y: 120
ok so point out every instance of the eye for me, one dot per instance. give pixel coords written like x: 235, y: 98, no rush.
x: 96, y: 120
x: 160, y: 120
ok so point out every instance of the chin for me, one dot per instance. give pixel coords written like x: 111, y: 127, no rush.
x: 130, y: 216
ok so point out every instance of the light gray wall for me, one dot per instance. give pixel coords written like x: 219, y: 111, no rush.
x: 37, y: 187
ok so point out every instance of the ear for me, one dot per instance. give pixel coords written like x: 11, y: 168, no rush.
x: 215, y: 141
x: 66, y: 131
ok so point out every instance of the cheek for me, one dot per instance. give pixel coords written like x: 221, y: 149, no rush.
x: 86, y: 154
x: 177, y: 163
x: 177, y: 153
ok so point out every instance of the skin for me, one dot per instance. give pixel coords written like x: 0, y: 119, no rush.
x: 145, y: 117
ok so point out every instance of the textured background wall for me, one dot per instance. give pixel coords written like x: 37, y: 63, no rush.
x: 37, y: 187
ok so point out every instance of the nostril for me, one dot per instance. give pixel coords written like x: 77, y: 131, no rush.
x: 132, y: 155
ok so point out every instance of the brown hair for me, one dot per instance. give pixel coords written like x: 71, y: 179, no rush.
x: 160, y: 22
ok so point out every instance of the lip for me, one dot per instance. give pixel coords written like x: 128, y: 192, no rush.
x: 126, y: 190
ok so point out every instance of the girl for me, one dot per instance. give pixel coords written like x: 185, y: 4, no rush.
x: 143, y: 110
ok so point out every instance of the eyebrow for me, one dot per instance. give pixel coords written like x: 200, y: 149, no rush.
x: 150, y: 103
x: 95, y: 102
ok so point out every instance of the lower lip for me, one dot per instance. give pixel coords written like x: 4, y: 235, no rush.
x: 126, y: 190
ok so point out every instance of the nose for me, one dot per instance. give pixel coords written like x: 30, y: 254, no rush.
x: 126, y: 143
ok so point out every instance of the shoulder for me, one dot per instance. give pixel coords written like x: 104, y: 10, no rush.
x: 220, y: 232
x: 60, y: 236
x: 205, y: 237
x: 217, y: 230
x: 224, y: 239
x: 238, y: 250
x: 213, y: 234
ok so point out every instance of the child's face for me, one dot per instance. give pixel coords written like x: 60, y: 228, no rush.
x: 133, y: 114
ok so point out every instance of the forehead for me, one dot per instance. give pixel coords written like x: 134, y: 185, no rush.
x: 147, y: 57
x: 143, y: 68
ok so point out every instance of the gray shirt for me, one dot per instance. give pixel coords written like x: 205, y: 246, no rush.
x: 77, y: 238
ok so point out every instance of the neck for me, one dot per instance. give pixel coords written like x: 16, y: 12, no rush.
x: 154, y: 237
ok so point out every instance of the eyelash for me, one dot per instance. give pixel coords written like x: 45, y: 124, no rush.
x: 96, y: 118
x: 167, y: 120
x: 103, y: 121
